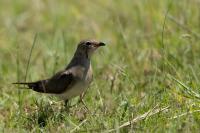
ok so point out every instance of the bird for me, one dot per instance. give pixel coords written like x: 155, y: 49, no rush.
x: 74, y: 79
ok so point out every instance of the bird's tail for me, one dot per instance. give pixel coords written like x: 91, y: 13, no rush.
x: 22, y: 83
x: 31, y: 85
x: 38, y: 86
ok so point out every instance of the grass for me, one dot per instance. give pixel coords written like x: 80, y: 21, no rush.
x: 148, y: 74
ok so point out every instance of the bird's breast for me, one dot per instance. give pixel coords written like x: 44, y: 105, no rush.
x: 74, y: 91
x: 89, y: 75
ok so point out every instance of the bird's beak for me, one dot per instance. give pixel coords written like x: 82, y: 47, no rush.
x: 101, y: 44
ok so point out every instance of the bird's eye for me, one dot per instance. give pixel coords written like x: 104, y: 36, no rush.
x: 88, y: 43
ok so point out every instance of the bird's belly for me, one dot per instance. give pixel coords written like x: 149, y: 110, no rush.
x: 74, y: 91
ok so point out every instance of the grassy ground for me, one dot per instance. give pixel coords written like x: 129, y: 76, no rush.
x: 151, y: 62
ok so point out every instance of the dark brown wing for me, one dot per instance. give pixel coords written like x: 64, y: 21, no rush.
x: 59, y: 83
x: 55, y: 85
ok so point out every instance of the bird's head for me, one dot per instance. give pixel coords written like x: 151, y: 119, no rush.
x: 88, y: 47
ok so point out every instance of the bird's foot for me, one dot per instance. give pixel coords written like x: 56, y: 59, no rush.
x: 66, y: 105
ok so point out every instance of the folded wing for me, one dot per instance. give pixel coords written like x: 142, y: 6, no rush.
x: 55, y: 85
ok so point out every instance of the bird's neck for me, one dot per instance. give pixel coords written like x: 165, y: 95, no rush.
x: 79, y: 59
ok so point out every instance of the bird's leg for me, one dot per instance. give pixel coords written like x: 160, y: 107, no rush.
x: 81, y: 98
x: 82, y: 101
x: 82, y: 95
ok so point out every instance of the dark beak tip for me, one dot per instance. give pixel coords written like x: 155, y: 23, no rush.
x: 102, y: 44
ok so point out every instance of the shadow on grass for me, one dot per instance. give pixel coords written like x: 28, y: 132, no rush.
x: 46, y: 114
x: 43, y: 113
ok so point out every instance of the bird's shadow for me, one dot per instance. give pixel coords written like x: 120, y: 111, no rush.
x: 45, y: 112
